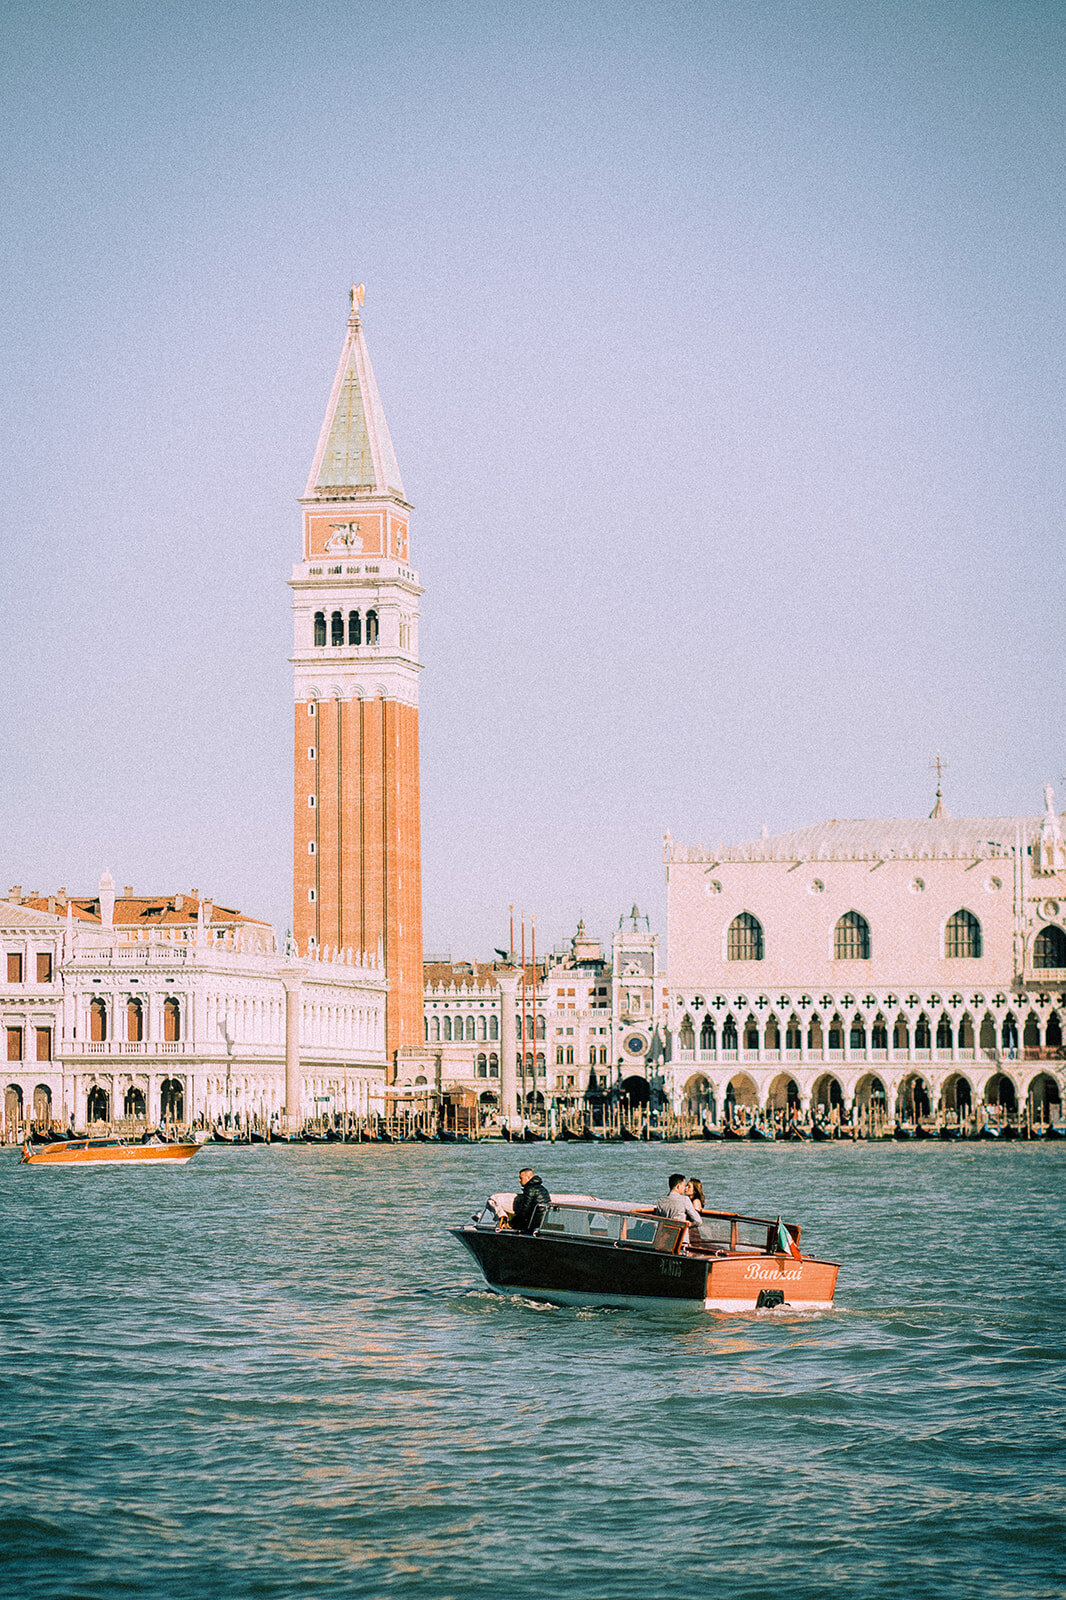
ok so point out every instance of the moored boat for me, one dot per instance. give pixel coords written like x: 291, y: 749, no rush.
x: 104, y: 1152
x: 592, y: 1252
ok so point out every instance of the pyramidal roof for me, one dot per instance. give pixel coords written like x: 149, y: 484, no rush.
x: 354, y: 448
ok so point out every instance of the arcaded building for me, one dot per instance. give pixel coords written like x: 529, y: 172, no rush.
x: 130, y: 1008
x: 916, y: 965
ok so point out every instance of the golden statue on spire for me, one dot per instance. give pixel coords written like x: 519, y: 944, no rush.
x: 357, y: 296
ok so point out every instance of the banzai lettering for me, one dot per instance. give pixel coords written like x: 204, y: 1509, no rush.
x: 763, y: 1273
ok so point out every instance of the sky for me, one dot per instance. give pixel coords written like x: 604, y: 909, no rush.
x: 721, y: 346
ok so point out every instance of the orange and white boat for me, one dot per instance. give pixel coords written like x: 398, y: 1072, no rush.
x: 103, y: 1152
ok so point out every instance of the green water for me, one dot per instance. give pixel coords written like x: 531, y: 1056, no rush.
x: 274, y: 1373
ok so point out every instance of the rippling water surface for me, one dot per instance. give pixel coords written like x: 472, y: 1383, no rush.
x: 275, y: 1373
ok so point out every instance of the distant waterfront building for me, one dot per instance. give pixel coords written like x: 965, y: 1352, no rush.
x: 125, y: 1007
x: 356, y: 839
x: 590, y: 1023
x: 915, y: 965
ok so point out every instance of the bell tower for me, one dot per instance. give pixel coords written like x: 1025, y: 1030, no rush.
x: 357, y: 872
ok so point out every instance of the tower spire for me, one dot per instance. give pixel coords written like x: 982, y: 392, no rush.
x: 354, y: 454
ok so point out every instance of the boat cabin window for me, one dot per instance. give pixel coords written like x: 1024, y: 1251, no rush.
x: 581, y: 1224
x: 751, y: 1235
x: 717, y: 1230
x: 654, y: 1233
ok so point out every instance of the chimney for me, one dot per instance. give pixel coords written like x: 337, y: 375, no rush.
x: 179, y: 902
x: 127, y: 893
x: 15, y: 893
x: 107, y: 900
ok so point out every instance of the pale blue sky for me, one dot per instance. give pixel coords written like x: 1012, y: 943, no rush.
x: 721, y: 346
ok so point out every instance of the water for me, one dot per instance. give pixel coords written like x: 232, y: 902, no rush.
x: 275, y: 1374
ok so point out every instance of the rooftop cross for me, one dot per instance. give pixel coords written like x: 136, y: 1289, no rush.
x: 939, y: 767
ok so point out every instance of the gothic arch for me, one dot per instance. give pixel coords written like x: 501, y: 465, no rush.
x: 827, y: 1093
x: 851, y: 937
x: 961, y: 937
x: 1049, y: 948
x: 744, y: 939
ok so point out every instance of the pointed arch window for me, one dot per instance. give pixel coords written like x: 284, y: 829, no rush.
x: 744, y: 942
x: 851, y: 938
x: 494, y: 1027
x: 336, y: 628
x: 355, y: 628
x: 320, y: 627
x: 962, y: 936
x: 1049, y: 948
x: 371, y: 627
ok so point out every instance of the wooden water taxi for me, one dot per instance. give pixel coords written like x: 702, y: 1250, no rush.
x: 591, y: 1252
x: 103, y: 1152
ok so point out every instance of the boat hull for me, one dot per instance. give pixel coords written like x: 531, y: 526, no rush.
x: 61, y: 1155
x: 568, y: 1272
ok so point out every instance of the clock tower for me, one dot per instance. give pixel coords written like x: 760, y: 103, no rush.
x: 356, y: 842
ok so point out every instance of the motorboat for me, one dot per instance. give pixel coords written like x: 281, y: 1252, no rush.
x: 591, y: 1252
x: 103, y: 1152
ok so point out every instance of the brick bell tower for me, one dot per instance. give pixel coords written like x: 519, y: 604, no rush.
x: 357, y: 869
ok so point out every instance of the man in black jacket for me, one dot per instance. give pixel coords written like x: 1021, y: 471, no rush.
x: 530, y: 1206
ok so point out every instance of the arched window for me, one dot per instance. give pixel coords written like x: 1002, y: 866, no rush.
x: 371, y: 627
x: 172, y: 1100
x: 923, y: 1037
x: 448, y: 1029
x: 943, y: 1032
x: 730, y: 1041
x: 1049, y: 948
x: 751, y: 1034
x: 851, y: 938
x: 879, y: 1033
x: 320, y: 627
x: 707, y: 1033
x: 494, y: 1066
x: 744, y: 941
x: 494, y: 1026
x: 171, y: 1020
x: 355, y: 628
x: 540, y: 1027
x: 470, y: 1028
x: 481, y: 1027
x: 1009, y: 1033
x: 686, y: 1033
x: 134, y: 1022
x: 336, y: 628
x: 482, y: 1067
x: 434, y: 1030
x: 857, y: 1037
x: 425, y: 1028
x: 603, y: 1055
x: 962, y: 936
x: 98, y: 1021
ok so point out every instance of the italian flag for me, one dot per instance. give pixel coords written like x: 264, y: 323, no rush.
x: 786, y: 1244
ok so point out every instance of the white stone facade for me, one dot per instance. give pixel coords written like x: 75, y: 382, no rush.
x: 905, y: 962
x: 181, y: 1023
